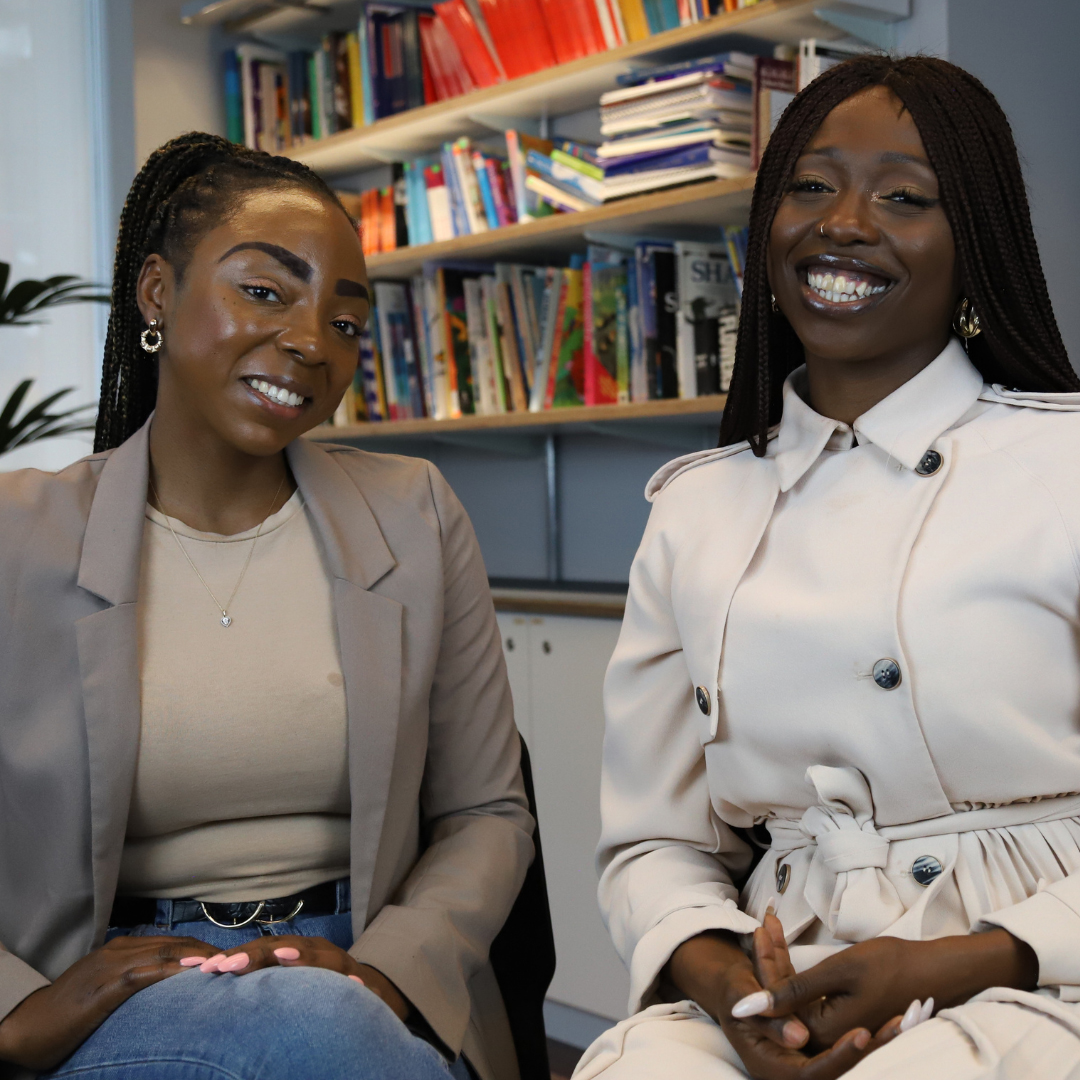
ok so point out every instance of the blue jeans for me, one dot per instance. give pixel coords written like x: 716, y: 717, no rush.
x: 279, y: 1023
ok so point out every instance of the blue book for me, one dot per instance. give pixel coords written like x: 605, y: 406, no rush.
x: 367, y: 82
x: 654, y: 17
x: 234, y: 99
x: 679, y: 158
x: 484, y: 184
x: 670, y: 10
x: 458, y: 218
x: 735, y: 65
x: 417, y: 214
x: 572, y: 185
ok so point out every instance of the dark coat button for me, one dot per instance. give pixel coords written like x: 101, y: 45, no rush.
x: 704, y: 702
x: 931, y: 462
x: 887, y: 674
x: 926, y: 869
x: 783, y: 876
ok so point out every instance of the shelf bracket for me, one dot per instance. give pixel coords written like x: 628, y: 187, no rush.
x: 684, y: 437
x: 551, y: 456
x: 506, y: 123
x: 498, y: 443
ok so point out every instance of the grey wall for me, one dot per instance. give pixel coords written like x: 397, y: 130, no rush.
x: 1025, y: 52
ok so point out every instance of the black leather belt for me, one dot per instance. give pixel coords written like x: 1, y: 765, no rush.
x: 322, y: 899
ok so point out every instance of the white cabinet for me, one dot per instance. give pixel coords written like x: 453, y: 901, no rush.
x: 556, y: 666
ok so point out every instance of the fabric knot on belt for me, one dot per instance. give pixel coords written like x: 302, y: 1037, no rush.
x: 845, y: 886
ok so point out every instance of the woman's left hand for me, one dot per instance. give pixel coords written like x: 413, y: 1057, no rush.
x: 292, y: 950
x: 870, y: 982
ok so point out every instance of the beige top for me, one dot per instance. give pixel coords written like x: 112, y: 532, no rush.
x: 241, y: 784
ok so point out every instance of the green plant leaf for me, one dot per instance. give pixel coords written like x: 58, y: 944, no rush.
x: 37, y: 422
x: 5, y: 273
x: 28, y: 297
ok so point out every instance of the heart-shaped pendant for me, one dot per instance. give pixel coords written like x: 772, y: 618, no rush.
x: 226, y: 620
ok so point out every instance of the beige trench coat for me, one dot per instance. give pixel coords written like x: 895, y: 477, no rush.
x: 441, y: 834
x: 972, y: 761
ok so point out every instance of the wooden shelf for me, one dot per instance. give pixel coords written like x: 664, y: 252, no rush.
x: 678, y: 213
x: 703, y: 410
x: 565, y: 88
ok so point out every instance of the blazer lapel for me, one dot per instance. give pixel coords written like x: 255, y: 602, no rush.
x: 370, y: 639
x: 107, y: 643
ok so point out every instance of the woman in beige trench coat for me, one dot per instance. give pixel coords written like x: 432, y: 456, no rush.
x: 852, y: 630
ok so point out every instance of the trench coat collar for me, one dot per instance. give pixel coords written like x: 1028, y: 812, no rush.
x: 904, y: 425
x: 352, y: 542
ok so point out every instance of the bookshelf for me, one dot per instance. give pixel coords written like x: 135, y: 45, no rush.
x: 678, y: 213
x: 703, y: 410
x: 565, y: 88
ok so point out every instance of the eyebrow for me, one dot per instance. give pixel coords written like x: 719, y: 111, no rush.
x: 345, y: 287
x: 293, y: 263
x: 886, y: 157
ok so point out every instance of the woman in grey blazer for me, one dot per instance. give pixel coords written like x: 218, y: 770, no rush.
x: 263, y: 812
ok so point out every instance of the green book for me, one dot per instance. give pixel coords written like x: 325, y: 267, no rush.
x: 586, y: 168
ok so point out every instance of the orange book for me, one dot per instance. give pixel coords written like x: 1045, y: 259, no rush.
x: 387, y: 223
x: 634, y: 19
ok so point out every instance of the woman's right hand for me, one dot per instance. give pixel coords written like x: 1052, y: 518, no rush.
x: 712, y: 970
x: 56, y: 1020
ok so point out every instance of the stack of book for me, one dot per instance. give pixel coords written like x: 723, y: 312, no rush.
x: 655, y: 319
x: 678, y: 124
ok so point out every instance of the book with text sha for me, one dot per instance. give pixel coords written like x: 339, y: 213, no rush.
x: 706, y: 289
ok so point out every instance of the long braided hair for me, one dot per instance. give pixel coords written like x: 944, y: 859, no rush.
x: 185, y: 188
x: 970, y: 146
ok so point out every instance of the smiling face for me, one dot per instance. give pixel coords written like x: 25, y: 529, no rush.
x: 861, y: 255
x: 261, y: 329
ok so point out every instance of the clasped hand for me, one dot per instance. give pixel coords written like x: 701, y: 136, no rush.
x: 53, y: 1022
x: 818, y: 1024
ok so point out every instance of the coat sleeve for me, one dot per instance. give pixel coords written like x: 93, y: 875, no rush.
x: 18, y: 980
x: 436, y: 935
x: 1049, y: 922
x: 666, y: 859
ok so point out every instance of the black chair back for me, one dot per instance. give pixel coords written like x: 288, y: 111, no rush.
x: 523, y: 955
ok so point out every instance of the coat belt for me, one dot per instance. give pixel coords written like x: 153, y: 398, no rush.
x: 847, y: 851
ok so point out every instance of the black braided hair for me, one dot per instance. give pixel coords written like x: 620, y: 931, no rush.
x: 185, y: 188
x: 970, y: 146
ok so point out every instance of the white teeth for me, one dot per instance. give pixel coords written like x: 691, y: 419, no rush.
x: 276, y: 393
x: 840, y: 288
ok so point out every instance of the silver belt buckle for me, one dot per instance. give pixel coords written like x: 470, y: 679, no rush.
x: 253, y: 917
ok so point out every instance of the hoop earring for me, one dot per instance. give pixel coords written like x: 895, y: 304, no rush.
x: 775, y: 306
x: 966, y: 321
x: 144, y: 338
x: 821, y: 228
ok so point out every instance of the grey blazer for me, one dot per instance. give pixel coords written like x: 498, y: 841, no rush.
x: 441, y: 834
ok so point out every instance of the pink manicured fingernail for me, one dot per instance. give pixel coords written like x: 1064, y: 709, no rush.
x: 752, y: 1005
x: 356, y: 978
x: 795, y: 1034
x: 236, y: 962
x: 927, y: 1010
x: 192, y: 961
x: 212, y: 963
x: 286, y: 952
x: 861, y: 1039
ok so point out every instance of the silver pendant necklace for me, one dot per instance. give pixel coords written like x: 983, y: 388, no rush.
x: 226, y: 618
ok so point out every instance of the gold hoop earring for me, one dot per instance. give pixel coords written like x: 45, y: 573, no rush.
x: 144, y: 338
x: 966, y: 321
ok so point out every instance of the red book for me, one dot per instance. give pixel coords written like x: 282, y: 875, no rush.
x: 457, y: 20
x: 563, y: 28
x: 591, y: 29
x: 446, y: 59
x: 534, y: 31
x: 506, y: 33
x: 430, y: 93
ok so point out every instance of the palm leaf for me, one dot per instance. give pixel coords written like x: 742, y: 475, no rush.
x: 37, y: 422
x: 26, y: 298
